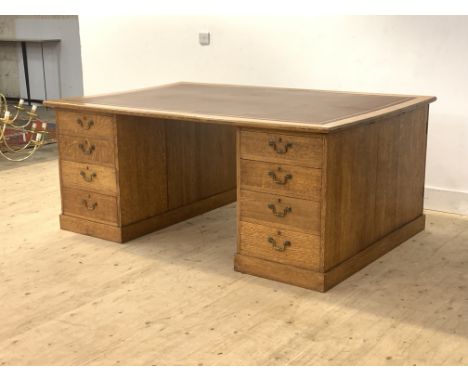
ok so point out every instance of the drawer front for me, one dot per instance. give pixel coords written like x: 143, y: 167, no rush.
x: 89, y: 177
x: 280, y: 211
x: 295, y: 181
x: 86, y: 149
x: 303, y: 150
x: 84, y: 124
x: 90, y: 205
x: 282, y: 246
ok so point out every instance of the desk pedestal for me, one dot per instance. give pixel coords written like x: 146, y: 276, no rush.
x: 316, y: 208
x: 123, y: 177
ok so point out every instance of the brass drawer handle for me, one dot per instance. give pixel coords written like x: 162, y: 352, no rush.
x: 280, y: 150
x: 86, y: 147
x: 279, y: 214
x: 277, y: 247
x: 87, y: 177
x: 279, y: 181
x: 90, y: 207
x: 85, y: 125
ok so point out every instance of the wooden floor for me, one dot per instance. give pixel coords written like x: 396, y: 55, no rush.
x: 172, y: 297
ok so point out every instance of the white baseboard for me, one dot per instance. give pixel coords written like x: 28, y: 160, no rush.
x: 455, y: 202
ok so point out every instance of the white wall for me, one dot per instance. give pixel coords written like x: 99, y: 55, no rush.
x: 426, y: 55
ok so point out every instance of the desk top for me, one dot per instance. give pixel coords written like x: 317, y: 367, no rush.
x: 269, y: 107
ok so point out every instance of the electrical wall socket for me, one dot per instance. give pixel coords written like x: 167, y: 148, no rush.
x: 204, y: 38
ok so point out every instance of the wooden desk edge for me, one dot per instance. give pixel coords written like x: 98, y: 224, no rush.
x: 416, y: 102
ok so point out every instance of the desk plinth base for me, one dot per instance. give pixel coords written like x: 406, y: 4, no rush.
x: 323, y: 281
x: 143, y: 227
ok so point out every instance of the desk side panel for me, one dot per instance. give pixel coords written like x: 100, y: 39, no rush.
x: 401, y: 165
x: 351, y: 174
x: 375, y: 182
x: 142, y: 177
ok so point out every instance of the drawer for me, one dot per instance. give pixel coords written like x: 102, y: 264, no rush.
x: 280, y: 211
x: 284, y: 179
x: 294, y: 149
x: 282, y: 246
x: 86, y: 149
x: 89, y: 177
x: 85, y: 124
x: 90, y: 205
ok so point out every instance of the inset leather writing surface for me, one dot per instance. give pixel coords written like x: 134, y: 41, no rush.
x: 232, y: 102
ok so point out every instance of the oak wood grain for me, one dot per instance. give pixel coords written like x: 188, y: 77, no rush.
x: 282, y: 179
x: 400, y: 168
x: 86, y: 150
x: 375, y: 182
x: 350, y: 197
x: 373, y: 252
x: 284, y: 273
x: 305, y: 150
x: 280, y: 211
x: 90, y: 205
x: 91, y: 228
x: 201, y: 161
x: 85, y: 124
x: 122, y: 234
x: 141, y: 168
x: 281, y: 246
x: 177, y: 215
x: 90, y: 177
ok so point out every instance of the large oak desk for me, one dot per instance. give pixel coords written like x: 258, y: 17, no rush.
x: 326, y: 182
